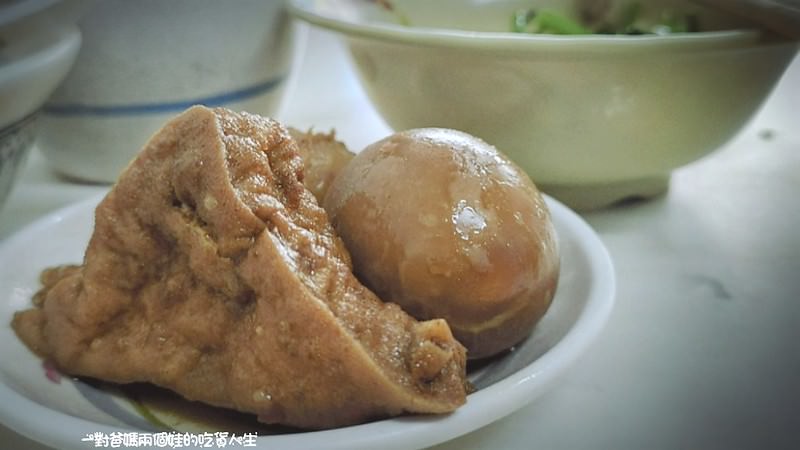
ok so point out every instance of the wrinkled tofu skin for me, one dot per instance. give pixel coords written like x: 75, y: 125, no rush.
x: 213, y: 272
x: 323, y: 158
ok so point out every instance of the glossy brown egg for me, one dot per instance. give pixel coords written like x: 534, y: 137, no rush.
x: 446, y: 226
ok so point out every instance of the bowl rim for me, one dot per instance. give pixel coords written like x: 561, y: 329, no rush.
x: 51, y: 57
x: 16, y: 11
x: 50, y: 47
x: 309, y: 11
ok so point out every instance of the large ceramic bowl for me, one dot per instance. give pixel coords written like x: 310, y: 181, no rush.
x: 592, y: 118
x: 34, y: 58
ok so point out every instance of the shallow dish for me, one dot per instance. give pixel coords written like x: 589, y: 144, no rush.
x: 66, y: 413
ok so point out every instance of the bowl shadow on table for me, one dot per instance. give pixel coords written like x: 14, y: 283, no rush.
x: 661, y: 229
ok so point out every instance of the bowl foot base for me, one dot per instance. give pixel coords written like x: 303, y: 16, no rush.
x: 587, y: 197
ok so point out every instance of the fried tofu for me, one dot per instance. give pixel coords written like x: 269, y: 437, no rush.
x: 213, y: 272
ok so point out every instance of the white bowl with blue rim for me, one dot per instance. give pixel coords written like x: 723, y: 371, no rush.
x: 144, y: 62
x: 35, y: 56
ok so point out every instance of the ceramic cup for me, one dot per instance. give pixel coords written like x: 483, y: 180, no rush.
x: 144, y: 62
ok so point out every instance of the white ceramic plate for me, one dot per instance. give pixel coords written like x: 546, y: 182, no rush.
x: 63, y: 414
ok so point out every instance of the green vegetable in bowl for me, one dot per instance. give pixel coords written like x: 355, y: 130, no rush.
x: 545, y: 22
x: 629, y: 21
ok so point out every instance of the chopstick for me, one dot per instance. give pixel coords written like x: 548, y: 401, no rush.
x: 782, y: 17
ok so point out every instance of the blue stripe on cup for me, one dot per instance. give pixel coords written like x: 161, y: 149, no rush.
x: 134, y: 109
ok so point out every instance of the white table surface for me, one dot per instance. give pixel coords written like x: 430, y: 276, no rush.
x: 702, y: 350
